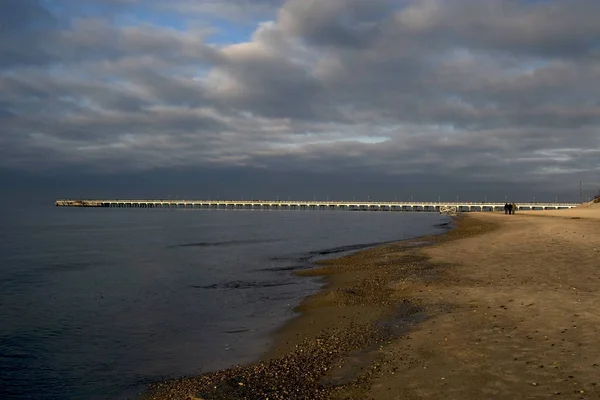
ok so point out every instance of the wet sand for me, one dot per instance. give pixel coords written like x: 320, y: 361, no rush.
x: 502, y: 307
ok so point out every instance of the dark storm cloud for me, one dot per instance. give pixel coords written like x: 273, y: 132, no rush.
x: 336, y: 23
x: 501, y: 90
x: 22, y: 24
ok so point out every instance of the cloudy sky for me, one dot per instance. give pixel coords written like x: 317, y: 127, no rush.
x: 301, y: 98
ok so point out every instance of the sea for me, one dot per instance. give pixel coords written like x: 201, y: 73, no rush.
x: 97, y: 303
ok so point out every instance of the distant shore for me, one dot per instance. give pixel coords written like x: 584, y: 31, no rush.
x: 500, y: 307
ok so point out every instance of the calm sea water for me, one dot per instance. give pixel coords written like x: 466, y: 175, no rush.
x: 96, y: 303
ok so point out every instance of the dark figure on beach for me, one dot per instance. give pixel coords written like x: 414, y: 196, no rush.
x: 510, y: 208
x: 505, y: 208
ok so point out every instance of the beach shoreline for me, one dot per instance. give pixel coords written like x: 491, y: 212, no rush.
x: 428, y: 320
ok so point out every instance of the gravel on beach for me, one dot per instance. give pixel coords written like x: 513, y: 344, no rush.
x: 304, y: 368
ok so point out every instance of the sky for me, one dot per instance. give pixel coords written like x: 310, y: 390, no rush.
x: 369, y: 99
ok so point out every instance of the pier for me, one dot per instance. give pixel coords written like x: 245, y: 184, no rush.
x: 310, y: 205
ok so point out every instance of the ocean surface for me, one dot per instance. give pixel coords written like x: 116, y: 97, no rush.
x: 97, y: 303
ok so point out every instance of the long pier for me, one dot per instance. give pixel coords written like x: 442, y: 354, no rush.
x: 310, y: 205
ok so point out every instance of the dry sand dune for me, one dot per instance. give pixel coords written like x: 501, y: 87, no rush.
x: 592, y: 204
x: 588, y: 210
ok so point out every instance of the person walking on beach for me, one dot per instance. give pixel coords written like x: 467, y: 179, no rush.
x: 514, y: 208
x: 505, y: 208
x: 510, y: 209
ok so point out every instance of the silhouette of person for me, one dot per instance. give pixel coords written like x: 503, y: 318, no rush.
x: 510, y: 208
x: 505, y: 208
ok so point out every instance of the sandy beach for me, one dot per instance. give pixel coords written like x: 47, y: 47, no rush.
x: 502, y: 307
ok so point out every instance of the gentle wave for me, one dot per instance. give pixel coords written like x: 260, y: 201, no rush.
x: 225, y: 243
x: 306, y: 259
x: 242, y: 285
x: 287, y: 268
x: 17, y: 356
x: 343, y: 249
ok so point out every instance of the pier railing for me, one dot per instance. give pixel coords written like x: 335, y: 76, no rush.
x: 289, y: 204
